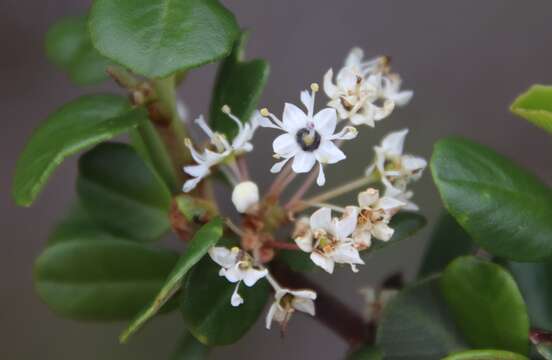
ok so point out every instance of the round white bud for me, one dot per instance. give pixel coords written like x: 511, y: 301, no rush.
x: 245, y: 195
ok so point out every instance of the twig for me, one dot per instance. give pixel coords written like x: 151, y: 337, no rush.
x: 281, y: 245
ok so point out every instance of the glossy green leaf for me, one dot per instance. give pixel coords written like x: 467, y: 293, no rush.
x: 405, y: 224
x: 206, y: 306
x: 206, y: 237
x: 447, y: 242
x: 239, y: 84
x: 157, y: 38
x: 533, y: 280
x: 122, y: 193
x: 68, y: 45
x: 485, y: 355
x: 486, y: 304
x: 504, y: 208
x: 189, y: 348
x: 100, y: 278
x: 297, y: 260
x: 535, y: 105
x: 367, y: 352
x: 416, y: 325
x: 76, y: 126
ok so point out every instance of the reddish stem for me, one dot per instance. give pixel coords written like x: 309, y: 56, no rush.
x: 281, y: 245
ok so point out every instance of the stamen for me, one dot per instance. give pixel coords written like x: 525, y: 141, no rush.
x: 225, y: 109
x: 264, y: 112
x: 314, y: 87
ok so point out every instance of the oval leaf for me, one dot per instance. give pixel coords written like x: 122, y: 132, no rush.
x: 206, y: 306
x: 122, y: 193
x: 485, y: 355
x: 535, y: 105
x: 206, y: 237
x: 487, y: 304
x: 239, y: 84
x: 76, y: 126
x: 91, y: 278
x: 447, y: 242
x: 68, y: 45
x: 505, y: 209
x: 416, y: 325
x: 189, y: 349
x: 533, y: 280
x: 157, y: 38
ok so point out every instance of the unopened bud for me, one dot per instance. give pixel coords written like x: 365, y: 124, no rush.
x: 245, y: 195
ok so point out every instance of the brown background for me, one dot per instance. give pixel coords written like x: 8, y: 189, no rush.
x: 466, y: 61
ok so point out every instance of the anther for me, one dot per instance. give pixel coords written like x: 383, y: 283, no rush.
x: 265, y: 112
x: 226, y: 109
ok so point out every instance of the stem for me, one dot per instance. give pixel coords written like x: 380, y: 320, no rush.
x: 281, y: 245
x: 303, y: 189
x: 337, y: 316
x: 335, y: 192
x: 276, y: 188
x: 538, y: 336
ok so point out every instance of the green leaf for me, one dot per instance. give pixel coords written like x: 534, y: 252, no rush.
x: 447, y: 242
x: 206, y: 306
x: 78, y: 125
x: 239, y: 84
x: 367, y: 352
x: 206, y: 237
x: 157, y: 38
x: 504, y: 208
x: 485, y: 355
x: 416, y: 325
x: 533, y: 280
x: 535, y: 105
x: 100, y: 278
x: 405, y: 224
x: 122, y: 193
x: 297, y: 260
x: 189, y: 349
x: 68, y: 45
x: 487, y: 304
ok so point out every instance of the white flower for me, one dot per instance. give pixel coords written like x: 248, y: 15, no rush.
x: 286, y: 301
x: 237, y: 266
x: 391, y: 89
x: 245, y: 195
x: 224, y: 149
x: 374, y: 214
x: 375, y: 301
x: 396, y: 169
x: 308, y: 137
x: 328, y: 240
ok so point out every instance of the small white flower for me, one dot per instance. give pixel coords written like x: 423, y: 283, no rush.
x: 245, y: 195
x: 375, y: 301
x: 224, y: 149
x: 308, y: 138
x: 237, y: 266
x: 396, y: 169
x: 391, y: 89
x: 374, y: 214
x: 328, y: 240
x: 286, y: 301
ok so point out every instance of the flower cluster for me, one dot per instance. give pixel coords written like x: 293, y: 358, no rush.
x: 362, y: 93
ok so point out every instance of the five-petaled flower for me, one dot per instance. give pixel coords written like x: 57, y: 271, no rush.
x: 308, y: 138
x: 328, y: 240
x: 396, y: 169
x: 374, y: 213
x: 237, y: 266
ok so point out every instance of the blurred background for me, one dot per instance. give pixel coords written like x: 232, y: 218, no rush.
x: 465, y: 60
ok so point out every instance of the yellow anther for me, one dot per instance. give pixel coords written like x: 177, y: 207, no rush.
x: 226, y: 109
x: 314, y: 87
x: 264, y: 112
x: 235, y: 249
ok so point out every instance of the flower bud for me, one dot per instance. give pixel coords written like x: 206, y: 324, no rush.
x: 245, y: 195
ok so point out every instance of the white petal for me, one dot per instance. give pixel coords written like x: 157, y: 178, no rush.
x: 320, y: 178
x: 223, y: 256
x: 304, y: 242
x: 304, y: 294
x: 329, y: 88
x: 325, y: 263
x: 308, y: 100
x: 321, y: 219
x: 325, y: 121
x: 360, y: 119
x: 347, y: 78
x: 293, y: 118
x: 304, y: 305
x: 265, y: 122
x: 389, y: 204
x: 303, y: 162
x: 270, y: 315
x: 189, y: 185
x: 363, y: 238
x: 402, y: 98
x: 393, y: 143
x: 347, y: 224
x: 285, y: 145
x: 346, y: 254
x: 252, y: 275
x: 236, y: 299
x: 196, y: 170
x: 382, y: 232
x: 347, y: 133
x: 413, y: 163
x: 234, y: 274
x: 368, y: 198
x: 329, y: 153
x: 354, y: 58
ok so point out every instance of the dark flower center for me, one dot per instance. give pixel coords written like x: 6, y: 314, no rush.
x: 308, y: 139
